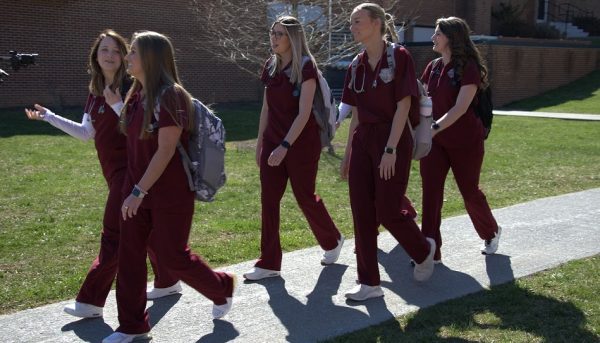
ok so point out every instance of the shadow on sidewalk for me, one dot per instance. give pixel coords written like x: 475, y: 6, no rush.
x: 223, y: 332
x: 161, y: 306
x: 89, y: 330
x: 94, y: 330
x: 305, y: 323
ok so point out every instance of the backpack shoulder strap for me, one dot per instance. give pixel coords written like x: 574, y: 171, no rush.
x: 389, y: 51
x: 353, y: 67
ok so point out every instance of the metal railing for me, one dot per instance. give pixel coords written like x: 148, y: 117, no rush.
x: 565, y: 12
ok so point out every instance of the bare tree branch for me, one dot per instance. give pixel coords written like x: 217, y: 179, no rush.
x: 237, y: 31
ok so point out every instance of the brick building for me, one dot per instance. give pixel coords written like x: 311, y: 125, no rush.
x: 62, y: 31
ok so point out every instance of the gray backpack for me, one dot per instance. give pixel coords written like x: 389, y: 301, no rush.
x: 205, y: 163
x: 324, y: 108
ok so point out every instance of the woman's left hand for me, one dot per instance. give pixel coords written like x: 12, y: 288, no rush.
x: 387, y: 166
x: 277, y: 156
x: 130, y: 206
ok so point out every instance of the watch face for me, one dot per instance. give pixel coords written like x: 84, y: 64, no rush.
x: 389, y: 150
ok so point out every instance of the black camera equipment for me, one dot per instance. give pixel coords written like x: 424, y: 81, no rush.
x: 17, y: 61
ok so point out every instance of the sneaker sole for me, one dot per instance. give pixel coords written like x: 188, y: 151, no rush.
x: 79, y: 315
x: 365, y: 298
x: 264, y: 277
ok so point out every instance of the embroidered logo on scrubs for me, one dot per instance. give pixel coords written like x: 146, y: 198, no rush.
x: 451, y: 73
x: 386, y: 75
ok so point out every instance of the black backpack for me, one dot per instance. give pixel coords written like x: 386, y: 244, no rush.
x: 483, y: 106
x: 484, y: 109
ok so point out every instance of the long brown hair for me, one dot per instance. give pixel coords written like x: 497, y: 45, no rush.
x: 388, y: 29
x: 462, y: 47
x: 161, y: 81
x: 97, y: 85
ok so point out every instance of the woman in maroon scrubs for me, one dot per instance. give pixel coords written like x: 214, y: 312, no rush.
x: 379, y: 148
x: 100, y: 122
x: 157, y: 196
x: 452, y: 82
x: 289, y: 147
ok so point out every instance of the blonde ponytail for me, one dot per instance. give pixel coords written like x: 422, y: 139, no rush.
x: 390, y: 27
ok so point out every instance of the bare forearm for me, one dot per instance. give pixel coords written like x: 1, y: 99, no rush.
x: 304, y: 110
x: 353, y: 125
x: 399, y: 121
x: 463, y: 101
x: 157, y: 166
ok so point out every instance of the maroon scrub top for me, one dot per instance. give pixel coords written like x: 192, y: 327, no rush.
x: 110, y: 143
x: 468, y: 129
x: 283, y: 99
x: 378, y: 104
x: 171, y: 188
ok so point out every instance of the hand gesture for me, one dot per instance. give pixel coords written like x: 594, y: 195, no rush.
x: 37, y: 114
x: 111, y: 97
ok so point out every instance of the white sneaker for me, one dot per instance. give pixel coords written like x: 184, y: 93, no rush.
x: 155, y: 293
x: 257, y: 273
x: 119, y: 337
x: 331, y: 256
x: 423, y: 270
x: 83, y: 310
x: 490, y: 246
x: 413, y: 263
x: 219, y: 311
x: 363, y: 292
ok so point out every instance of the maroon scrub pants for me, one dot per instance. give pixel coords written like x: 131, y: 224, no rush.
x: 171, y: 227
x: 300, y: 166
x: 103, y: 270
x: 466, y: 166
x: 376, y: 201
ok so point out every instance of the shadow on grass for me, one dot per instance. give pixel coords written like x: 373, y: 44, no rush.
x: 240, y: 121
x: 511, y: 307
x: 580, y: 89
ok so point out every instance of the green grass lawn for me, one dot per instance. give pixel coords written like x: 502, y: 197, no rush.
x: 52, y: 196
x: 580, y: 96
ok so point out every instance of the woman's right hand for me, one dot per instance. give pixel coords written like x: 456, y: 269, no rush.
x: 111, y: 97
x: 37, y: 114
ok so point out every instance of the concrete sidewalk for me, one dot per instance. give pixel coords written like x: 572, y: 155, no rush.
x: 307, y: 303
x: 568, y: 116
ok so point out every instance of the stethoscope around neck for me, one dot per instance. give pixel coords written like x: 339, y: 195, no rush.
x: 362, y: 64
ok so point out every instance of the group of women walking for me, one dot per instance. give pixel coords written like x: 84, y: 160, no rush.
x: 138, y: 111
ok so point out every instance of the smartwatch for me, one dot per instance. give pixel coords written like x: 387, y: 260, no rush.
x: 137, y: 192
x: 435, y: 126
x: 389, y: 150
x: 285, y: 144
